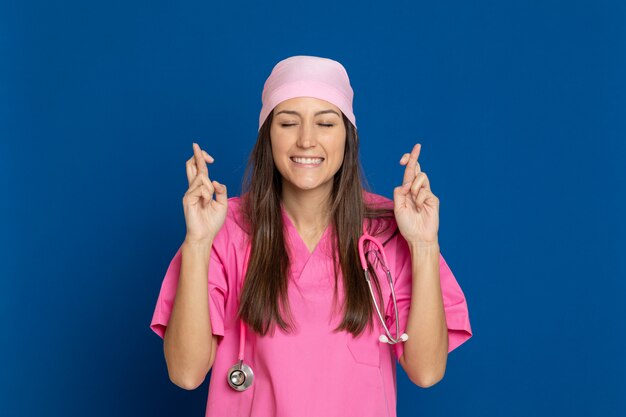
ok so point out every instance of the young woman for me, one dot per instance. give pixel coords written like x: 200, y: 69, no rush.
x: 268, y: 290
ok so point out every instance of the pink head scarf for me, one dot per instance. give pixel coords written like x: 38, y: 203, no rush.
x: 308, y: 76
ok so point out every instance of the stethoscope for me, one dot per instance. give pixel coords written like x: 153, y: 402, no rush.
x: 388, y: 338
x: 240, y: 375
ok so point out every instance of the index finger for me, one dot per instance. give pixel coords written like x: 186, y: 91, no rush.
x: 409, y: 171
x: 200, y: 162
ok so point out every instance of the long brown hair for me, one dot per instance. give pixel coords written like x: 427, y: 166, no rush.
x: 264, y: 295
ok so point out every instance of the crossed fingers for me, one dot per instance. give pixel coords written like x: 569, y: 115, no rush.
x: 412, y: 165
x: 413, y: 175
x: 197, y: 164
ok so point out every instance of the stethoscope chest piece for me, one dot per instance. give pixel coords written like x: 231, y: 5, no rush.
x: 240, y: 376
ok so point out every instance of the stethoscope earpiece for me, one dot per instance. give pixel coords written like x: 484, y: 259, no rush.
x: 385, y: 339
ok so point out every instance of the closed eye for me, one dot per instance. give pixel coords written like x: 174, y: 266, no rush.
x: 293, y: 124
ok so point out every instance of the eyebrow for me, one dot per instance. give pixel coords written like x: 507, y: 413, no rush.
x: 316, y: 114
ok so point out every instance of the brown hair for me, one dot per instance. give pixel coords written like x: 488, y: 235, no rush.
x: 264, y: 294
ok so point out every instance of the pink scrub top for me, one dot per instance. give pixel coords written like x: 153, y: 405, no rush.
x: 312, y: 372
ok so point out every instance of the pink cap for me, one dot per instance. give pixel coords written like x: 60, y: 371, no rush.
x: 308, y: 76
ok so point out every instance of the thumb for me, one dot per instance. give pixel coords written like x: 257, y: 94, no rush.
x: 220, y: 192
x: 399, y: 195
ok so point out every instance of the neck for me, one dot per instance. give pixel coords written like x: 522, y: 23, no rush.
x: 307, y: 209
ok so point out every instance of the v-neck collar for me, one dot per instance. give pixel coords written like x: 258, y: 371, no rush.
x: 296, y: 240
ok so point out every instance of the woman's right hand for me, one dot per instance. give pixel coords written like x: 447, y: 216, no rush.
x: 203, y: 215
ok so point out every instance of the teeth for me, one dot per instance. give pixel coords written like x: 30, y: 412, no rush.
x: 307, y: 160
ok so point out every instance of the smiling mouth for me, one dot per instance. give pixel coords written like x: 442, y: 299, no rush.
x: 307, y: 161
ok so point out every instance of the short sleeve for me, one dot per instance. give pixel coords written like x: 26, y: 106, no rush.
x: 455, y: 304
x: 217, y: 288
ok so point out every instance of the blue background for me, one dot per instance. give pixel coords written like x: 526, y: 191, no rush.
x: 520, y: 107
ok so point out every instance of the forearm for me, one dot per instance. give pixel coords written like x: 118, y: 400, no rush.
x: 188, y: 337
x: 426, y: 350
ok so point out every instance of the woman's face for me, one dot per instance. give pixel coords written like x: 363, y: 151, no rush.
x: 307, y: 127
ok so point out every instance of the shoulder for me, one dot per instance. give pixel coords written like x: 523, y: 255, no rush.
x: 235, y: 218
x: 232, y: 232
x: 377, y: 200
x: 383, y: 228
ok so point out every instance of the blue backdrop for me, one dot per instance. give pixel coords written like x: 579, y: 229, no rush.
x: 520, y: 107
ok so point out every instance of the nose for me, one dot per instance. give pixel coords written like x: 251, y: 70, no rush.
x: 306, y: 136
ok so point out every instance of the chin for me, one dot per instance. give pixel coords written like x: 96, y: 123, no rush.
x: 305, y: 185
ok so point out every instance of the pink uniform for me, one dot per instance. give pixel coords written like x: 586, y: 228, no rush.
x: 312, y: 372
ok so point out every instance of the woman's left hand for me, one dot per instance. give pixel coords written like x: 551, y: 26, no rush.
x: 416, y: 208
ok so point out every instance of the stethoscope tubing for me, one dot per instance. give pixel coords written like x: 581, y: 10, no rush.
x: 367, y: 237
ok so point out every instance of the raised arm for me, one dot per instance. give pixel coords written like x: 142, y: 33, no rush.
x: 189, y: 344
